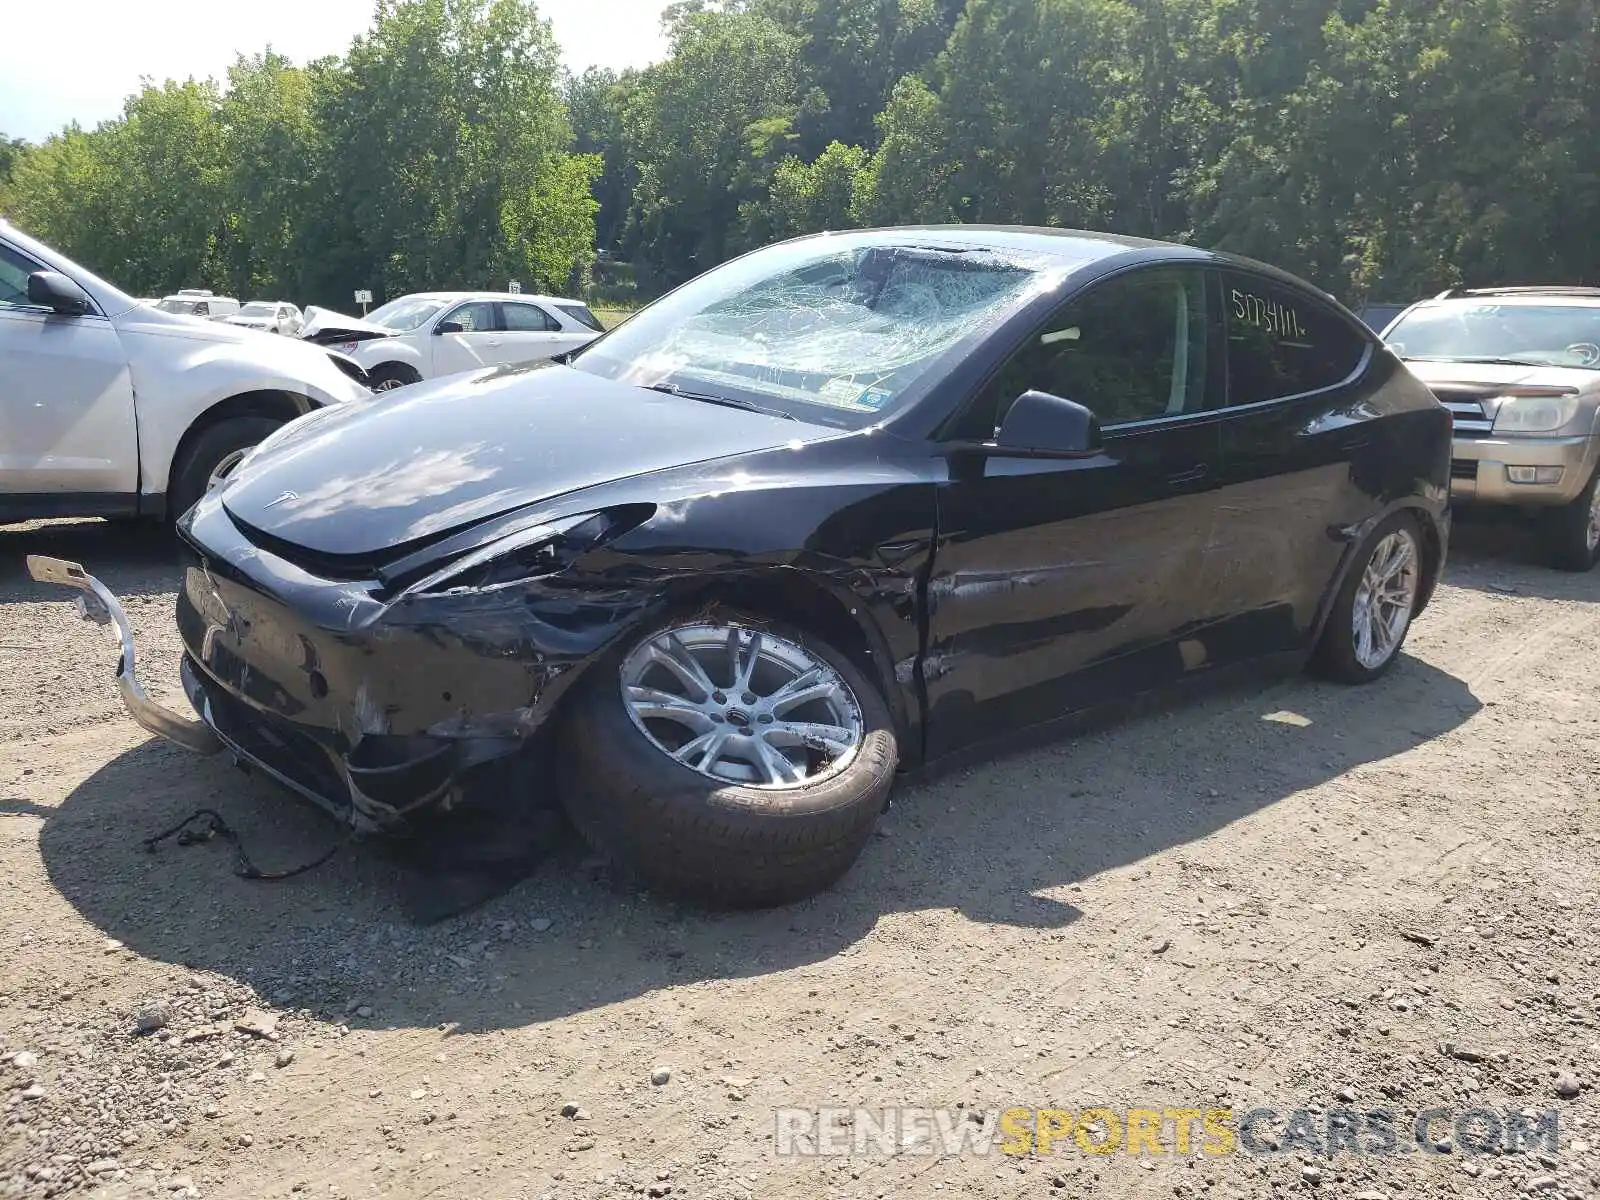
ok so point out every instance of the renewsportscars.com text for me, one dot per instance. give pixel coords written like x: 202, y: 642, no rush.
x: 883, y: 1132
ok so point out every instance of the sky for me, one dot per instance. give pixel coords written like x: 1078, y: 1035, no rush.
x: 77, y: 60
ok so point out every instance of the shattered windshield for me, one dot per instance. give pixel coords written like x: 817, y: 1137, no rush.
x: 406, y: 313
x: 826, y: 333
x: 1555, y: 335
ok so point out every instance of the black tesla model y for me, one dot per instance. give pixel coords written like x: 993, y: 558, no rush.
x: 846, y: 506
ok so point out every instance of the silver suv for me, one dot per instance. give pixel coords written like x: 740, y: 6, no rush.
x: 1520, y: 369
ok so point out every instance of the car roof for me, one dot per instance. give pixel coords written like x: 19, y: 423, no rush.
x: 1571, y: 297
x: 1073, y: 247
x: 485, y: 296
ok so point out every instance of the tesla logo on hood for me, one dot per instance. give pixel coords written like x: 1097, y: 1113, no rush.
x: 281, y: 499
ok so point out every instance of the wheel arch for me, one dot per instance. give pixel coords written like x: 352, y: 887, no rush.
x: 814, y: 604
x: 801, y: 598
x: 398, y: 366
x: 273, y: 403
x: 1435, y: 536
x: 1435, y: 539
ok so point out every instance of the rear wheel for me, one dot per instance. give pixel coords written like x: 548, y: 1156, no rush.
x: 728, y: 758
x: 388, y: 376
x: 212, y: 456
x: 1573, y: 530
x: 1372, y: 612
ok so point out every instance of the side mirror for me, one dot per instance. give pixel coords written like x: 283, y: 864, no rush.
x: 444, y: 327
x: 53, y: 290
x: 1041, y: 422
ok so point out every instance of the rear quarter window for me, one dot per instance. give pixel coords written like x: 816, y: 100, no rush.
x: 581, y: 314
x: 1282, y: 342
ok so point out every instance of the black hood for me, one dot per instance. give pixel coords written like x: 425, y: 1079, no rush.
x: 414, y: 464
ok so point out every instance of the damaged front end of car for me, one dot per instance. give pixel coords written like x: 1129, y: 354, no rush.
x: 387, y: 696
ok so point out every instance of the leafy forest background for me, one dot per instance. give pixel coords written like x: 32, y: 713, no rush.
x: 1381, y: 148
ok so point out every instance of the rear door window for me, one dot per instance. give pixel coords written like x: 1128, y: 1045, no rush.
x: 1282, y: 342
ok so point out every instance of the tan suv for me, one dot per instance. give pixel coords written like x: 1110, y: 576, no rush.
x: 1520, y: 369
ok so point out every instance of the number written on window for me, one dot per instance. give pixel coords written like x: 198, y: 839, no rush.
x: 1283, y: 343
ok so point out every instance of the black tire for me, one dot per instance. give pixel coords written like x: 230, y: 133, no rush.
x: 390, y: 375
x: 1336, y: 653
x: 1567, y: 530
x: 201, y: 457
x: 684, y: 833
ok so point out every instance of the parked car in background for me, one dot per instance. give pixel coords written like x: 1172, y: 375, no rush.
x: 196, y: 302
x: 429, y: 334
x: 272, y: 316
x: 850, y: 502
x: 1519, y: 367
x: 109, y: 407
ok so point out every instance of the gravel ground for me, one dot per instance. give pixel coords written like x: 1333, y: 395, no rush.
x: 1386, y: 899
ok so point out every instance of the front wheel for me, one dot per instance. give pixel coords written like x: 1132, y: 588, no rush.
x: 211, y: 457
x: 388, y: 376
x: 1574, y: 530
x: 1372, y: 612
x: 728, y: 758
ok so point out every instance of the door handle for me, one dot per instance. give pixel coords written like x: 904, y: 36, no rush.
x: 1196, y: 472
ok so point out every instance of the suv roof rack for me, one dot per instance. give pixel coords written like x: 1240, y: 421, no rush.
x: 1539, y: 289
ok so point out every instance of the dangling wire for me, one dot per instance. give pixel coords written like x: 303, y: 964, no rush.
x: 188, y: 833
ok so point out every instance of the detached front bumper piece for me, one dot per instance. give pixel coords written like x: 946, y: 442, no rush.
x: 97, y: 604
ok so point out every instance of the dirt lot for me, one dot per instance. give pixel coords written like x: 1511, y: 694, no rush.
x: 1200, y: 908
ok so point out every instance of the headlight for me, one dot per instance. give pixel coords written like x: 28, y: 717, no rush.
x: 1534, y: 413
x: 535, y: 552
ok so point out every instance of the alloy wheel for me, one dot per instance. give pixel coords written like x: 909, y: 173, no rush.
x: 742, y: 705
x: 225, y: 467
x: 1592, y: 534
x: 1385, y: 599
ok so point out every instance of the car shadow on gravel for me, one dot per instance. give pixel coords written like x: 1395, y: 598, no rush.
x: 999, y: 844
x: 134, y: 558
x: 1505, y: 553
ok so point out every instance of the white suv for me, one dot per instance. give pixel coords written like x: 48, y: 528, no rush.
x: 429, y: 334
x: 270, y: 316
x: 109, y: 407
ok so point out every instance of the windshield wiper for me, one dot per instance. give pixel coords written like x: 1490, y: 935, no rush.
x: 672, y: 389
x: 1487, y: 359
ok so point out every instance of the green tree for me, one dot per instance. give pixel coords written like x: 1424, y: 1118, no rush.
x: 445, y: 118
x: 811, y: 197
x: 909, y: 177
x: 595, y: 103
x: 707, y: 127
x: 11, y: 152
x: 273, y: 145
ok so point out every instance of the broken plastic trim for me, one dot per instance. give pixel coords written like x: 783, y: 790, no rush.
x: 476, y: 564
x: 534, y: 552
x: 100, y: 606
